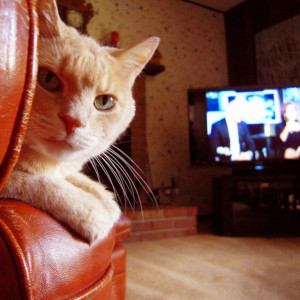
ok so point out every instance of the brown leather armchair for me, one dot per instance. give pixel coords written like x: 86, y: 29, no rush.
x: 40, y: 258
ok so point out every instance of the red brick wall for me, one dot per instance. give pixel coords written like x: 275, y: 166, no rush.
x: 153, y: 224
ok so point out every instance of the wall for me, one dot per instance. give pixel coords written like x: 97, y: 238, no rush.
x: 194, y: 54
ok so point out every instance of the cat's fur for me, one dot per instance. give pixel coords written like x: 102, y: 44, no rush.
x: 66, y: 129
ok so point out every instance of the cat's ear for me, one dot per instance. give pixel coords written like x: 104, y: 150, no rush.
x: 49, y: 20
x: 135, y: 58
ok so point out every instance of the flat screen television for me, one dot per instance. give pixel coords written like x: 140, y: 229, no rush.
x: 249, y: 125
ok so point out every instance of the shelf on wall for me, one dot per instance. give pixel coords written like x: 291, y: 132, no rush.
x: 153, y: 69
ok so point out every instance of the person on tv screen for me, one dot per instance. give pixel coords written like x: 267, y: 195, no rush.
x: 289, y: 132
x: 230, y: 137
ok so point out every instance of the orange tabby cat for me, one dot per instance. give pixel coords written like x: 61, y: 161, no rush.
x: 83, y: 102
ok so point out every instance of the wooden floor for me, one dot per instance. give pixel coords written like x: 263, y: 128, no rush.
x: 210, y: 267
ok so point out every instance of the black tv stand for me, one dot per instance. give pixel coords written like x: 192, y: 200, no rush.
x: 278, y: 194
x: 278, y: 168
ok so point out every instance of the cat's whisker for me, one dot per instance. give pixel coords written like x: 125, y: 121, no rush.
x: 138, y: 175
x: 135, y: 194
x: 99, y: 163
x: 95, y: 169
x: 108, y: 177
x: 129, y: 182
x: 118, y: 175
x: 126, y: 159
x: 114, y: 165
x: 124, y: 155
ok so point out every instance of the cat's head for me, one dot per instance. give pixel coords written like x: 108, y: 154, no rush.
x: 83, y: 99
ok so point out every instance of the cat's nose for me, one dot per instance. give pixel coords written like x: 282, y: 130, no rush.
x: 71, y: 123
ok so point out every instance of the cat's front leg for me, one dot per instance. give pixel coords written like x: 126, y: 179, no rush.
x: 80, y: 210
x: 99, y: 191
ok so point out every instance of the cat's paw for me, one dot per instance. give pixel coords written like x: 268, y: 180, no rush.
x: 99, y: 191
x: 97, y: 223
x: 98, y: 220
x: 108, y: 201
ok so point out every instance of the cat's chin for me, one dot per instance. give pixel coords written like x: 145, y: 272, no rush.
x: 61, y: 150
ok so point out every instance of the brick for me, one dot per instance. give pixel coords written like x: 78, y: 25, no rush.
x: 157, y: 235
x: 153, y: 214
x: 129, y: 214
x: 174, y: 234
x: 140, y: 114
x: 140, y: 226
x: 175, y: 212
x: 131, y: 239
x: 139, y: 139
x: 192, y: 211
x: 139, y: 145
x: 185, y: 223
x: 138, y: 130
x: 140, y: 150
x: 140, y: 161
x: 145, y: 214
x: 191, y: 231
x: 133, y: 215
x: 162, y: 224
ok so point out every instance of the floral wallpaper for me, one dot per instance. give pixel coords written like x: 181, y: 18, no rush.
x: 193, y: 52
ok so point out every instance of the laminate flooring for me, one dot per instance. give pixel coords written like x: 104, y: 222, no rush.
x: 210, y: 267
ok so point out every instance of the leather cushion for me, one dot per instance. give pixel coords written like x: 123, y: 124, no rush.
x: 52, y: 260
x: 18, y: 65
x: 123, y: 229
x: 119, y: 264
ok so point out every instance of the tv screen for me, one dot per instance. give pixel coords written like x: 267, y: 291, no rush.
x: 244, y: 124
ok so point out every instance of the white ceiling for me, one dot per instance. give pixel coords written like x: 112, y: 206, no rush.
x: 220, y: 5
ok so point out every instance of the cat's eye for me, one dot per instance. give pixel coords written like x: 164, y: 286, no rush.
x: 48, y: 80
x: 104, y: 102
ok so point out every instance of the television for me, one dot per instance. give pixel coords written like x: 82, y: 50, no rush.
x: 241, y: 126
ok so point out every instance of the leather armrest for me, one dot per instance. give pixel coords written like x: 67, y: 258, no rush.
x: 122, y: 229
x: 49, y: 261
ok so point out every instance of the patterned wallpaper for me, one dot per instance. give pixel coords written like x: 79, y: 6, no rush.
x: 194, y: 54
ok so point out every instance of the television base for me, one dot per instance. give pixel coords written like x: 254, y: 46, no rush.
x: 265, y: 197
